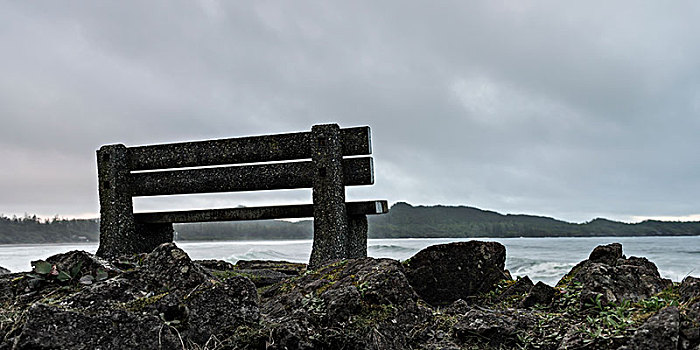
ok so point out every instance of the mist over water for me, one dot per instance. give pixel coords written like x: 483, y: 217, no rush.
x: 542, y: 259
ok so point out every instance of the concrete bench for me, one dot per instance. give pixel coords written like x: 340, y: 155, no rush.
x: 326, y: 159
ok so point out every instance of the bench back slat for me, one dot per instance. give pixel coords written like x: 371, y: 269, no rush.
x: 274, y: 176
x: 255, y: 149
x: 255, y: 213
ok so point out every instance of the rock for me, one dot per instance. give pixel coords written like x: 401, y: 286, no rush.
x: 223, y: 307
x: 89, y: 263
x: 539, y: 294
x: 497, y: 327
x: 356, y: 304
x: 689, y: 289
x: 50, y: 327
x: 217, y: 265
x: 521, y: 287
x: 170, y: 267
x: 285, y: 267
x: 630, y: 279
x: 263, y: 278
x: 690, y: 328
x: 443, y: 273
x: 659, y: 332
x: 606, y: 254
x: 262, y: 273
x: 459, y: 307
x: 4, y: 271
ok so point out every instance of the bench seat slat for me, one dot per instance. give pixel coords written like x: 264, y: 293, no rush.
x: 255, y: 213
x: 253, y: 149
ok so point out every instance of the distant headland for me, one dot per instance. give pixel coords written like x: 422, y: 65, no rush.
x: 402, y: 221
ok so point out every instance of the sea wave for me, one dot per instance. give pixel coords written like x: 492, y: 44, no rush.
x: 266, y: 254
x: 549, y: 272
x: 389, y: 248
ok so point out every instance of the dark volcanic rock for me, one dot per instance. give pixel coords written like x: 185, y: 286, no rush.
x: 4, y: 271
x: 140, y: 308
x: 689, y: 288
x: 165, y: 300
x: 630, y: 279
x: 498, y: 327
x: 221, y: 308
x: 285, y: 267
x: 539, y: 294
x: 262, y: 272
x: 217, y: 265
x: 357, y: 304
x: 89, y: 263
x: 263, y: 278
x: 690, y: 328
x: 443, y: 273
x: 170, y: 267
x: 50, y: 327
x: 521, y: 287
x: 659, y: 332
x: 607, y: 254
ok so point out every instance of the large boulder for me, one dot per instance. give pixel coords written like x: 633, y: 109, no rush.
x: 355, y: 304
x: 443, y: 273
x: 612, y: 278
x: 53, y: 327
x: 4, y: 271
x: 165, y: 299
x: 221, y: 308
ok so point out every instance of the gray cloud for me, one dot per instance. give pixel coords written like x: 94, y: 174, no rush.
x: 567, y: 110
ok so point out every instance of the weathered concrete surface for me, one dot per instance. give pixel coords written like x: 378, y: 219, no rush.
x: 336, y: 236
x: 275, y: 176
x: 443, y: 273
x: 266, y: 148
x: 330, y: 215
x: 117, y: 227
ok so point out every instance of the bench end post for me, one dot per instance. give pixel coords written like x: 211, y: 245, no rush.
x: 330, y: 214
x: 117, y: 228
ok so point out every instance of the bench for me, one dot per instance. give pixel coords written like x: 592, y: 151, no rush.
x: 326, y: 159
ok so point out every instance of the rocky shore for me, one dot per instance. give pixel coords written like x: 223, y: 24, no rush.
x: 452, y: 296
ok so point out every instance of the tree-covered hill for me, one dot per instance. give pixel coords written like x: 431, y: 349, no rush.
x: 403, y: 220
x: 29, y: 229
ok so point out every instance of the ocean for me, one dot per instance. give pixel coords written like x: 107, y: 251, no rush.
x: 542, y: 259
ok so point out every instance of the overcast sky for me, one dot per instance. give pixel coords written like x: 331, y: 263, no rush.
x: 571, y: 110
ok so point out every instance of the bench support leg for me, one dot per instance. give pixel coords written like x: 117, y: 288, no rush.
x: 117, y: 227
x: 330, y: 216
x: 357, y: 236
x: 153, y: 235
